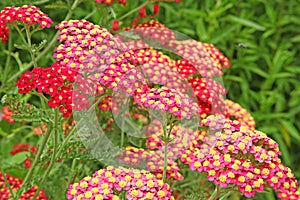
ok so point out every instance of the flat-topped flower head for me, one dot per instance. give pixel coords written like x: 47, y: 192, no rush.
x: 206, y: 59
x: 77, y: 38
x: 246, y: 159
x: 58, y: 81
x: 168, y: 100
x: 107, y: 183
x: 27, y: 14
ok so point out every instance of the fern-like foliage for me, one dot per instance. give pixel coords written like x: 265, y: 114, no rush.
x: 26, y: 112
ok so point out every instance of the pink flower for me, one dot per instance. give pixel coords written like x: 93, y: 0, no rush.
x: 28, y: 14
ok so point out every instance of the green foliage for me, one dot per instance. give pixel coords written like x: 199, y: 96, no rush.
x: 25, y: 112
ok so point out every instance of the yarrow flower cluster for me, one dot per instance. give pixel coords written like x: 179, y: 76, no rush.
x: 77, y: 38
x: 15, y: 183
x: 165, y: 99
x: 27, y: 14
x: 243, y: 158
x: 57, y: 81
x: 109, y: 182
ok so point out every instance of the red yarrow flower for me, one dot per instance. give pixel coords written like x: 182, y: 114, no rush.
x: 4, y: 32
x: 15, y: 183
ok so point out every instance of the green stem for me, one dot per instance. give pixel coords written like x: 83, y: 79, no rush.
x: 91, y: 13
x: 36, y: 159
x: 215, y: 194
x: 8, y: 58
x: 55, y: 127
x: 43, y: 99
x: 32, y: 53
x: 73, y: 173
x: 122, y: 134
x: 20, y: 33
x: 48, y: 47
x: 134, y: 10
x: 166, y: 140
x: 225, y: 196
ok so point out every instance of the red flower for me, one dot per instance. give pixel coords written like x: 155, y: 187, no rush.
x: 156, y: 8
x: 15, y: 183
x: 115, y: 25
x: 4, y: 32
x: 7, y: 114
x: 142, y: 12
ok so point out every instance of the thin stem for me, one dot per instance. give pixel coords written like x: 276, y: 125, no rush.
x: 165, y: 160
x: 225, y: 196
x: 73, y: 171
x: 48, y: 47
x: 36, y: 159
x: 134, y: 10
x: 42, y: 98
x: 166, y: 140
x: 20, y: 33
x: 55, y: 127
x: 215, y: 194
x: 8, y: 58
x: 91, y: 13
x: 32, y: 54
x: 122, y: 134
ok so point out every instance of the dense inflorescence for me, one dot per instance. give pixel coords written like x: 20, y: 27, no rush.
x: 235, y: 155
x: 57, y: 81
x: 15, y: 183
x: 27, y: 14
x: 107, y: 183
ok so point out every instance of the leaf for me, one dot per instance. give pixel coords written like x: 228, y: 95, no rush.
x: 15, y: 160
x: 246, y: 22
x: 3, y: 133
x: 292, y: 130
